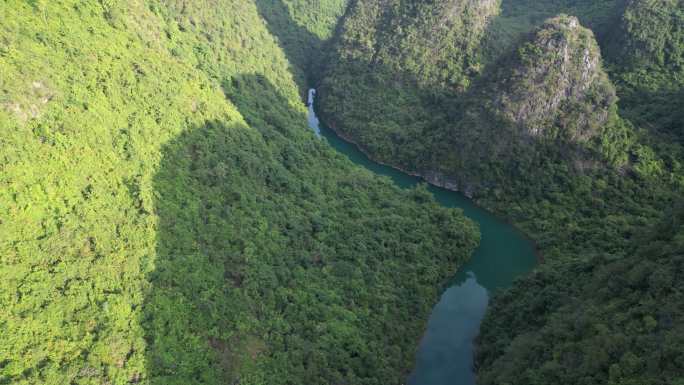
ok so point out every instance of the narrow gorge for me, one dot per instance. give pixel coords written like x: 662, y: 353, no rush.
x: 167, y: 215
x: 446, y: 351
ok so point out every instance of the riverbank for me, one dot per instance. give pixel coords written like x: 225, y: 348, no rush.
x: 446, y: 349
x: 329, y: 123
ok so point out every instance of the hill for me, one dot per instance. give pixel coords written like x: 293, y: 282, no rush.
x: 558, y: 132
x: 167, y: 217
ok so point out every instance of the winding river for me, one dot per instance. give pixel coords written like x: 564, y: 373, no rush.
x: 445, y: 354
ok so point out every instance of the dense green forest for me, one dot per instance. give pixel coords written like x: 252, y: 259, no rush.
x: 303, y: 29
x: 571, y: 127
x: 166, y: 216
x: 606, y: 319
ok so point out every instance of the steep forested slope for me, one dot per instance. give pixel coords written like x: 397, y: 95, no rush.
x: 648, y: 40
x: 519, y: 17
x: 550, y: 97
x: 392, y: 61
x: 616, y: 319
x: 641, y: 45
x: 608, y: 313
x: 389, y: 88
x: 646, y: 49
x: 541, y: 136
x: 303, y: 29
x: 166, y: 217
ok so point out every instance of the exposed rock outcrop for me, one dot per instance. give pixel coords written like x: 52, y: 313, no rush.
x: 34, y: 99
x: 555, y: 85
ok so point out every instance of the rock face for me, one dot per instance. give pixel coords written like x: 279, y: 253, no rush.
x: 32, y: 103
x: 555, y: 85
x: 549, y: 96
x: 409, y: 88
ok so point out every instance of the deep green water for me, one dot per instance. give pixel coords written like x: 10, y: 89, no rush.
x: 445, y: 354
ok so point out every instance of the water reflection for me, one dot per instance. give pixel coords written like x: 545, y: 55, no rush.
x: 445, y: 354
x: 446, y: 349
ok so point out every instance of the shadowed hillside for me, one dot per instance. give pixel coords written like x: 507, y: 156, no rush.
x: 540, y: 136
x: 303, y: 29
x: 276, y: 256
x: 167, y: 217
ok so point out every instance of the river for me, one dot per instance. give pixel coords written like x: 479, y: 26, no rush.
x: 445, y: 354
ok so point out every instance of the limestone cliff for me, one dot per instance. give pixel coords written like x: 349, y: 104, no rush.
x: 549, y: 100
x: 555, y: 85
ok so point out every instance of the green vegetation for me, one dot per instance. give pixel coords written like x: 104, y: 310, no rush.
x: 647, y: 57
x: 392, y: 61
x: 497, y: 128
x: 519, y: 17
x: 166, y: 217
x: 610, y: 319
x: 303, y: 29
x: 561, y: 66
x: 650, y: 38
x: 539, y: 137
x: 604, y: 308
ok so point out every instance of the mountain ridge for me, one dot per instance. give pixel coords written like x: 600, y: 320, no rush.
x: 167, y: 217
x: 574, y: 141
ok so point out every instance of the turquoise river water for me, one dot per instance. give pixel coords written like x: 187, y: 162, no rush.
x: 445, y: 354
